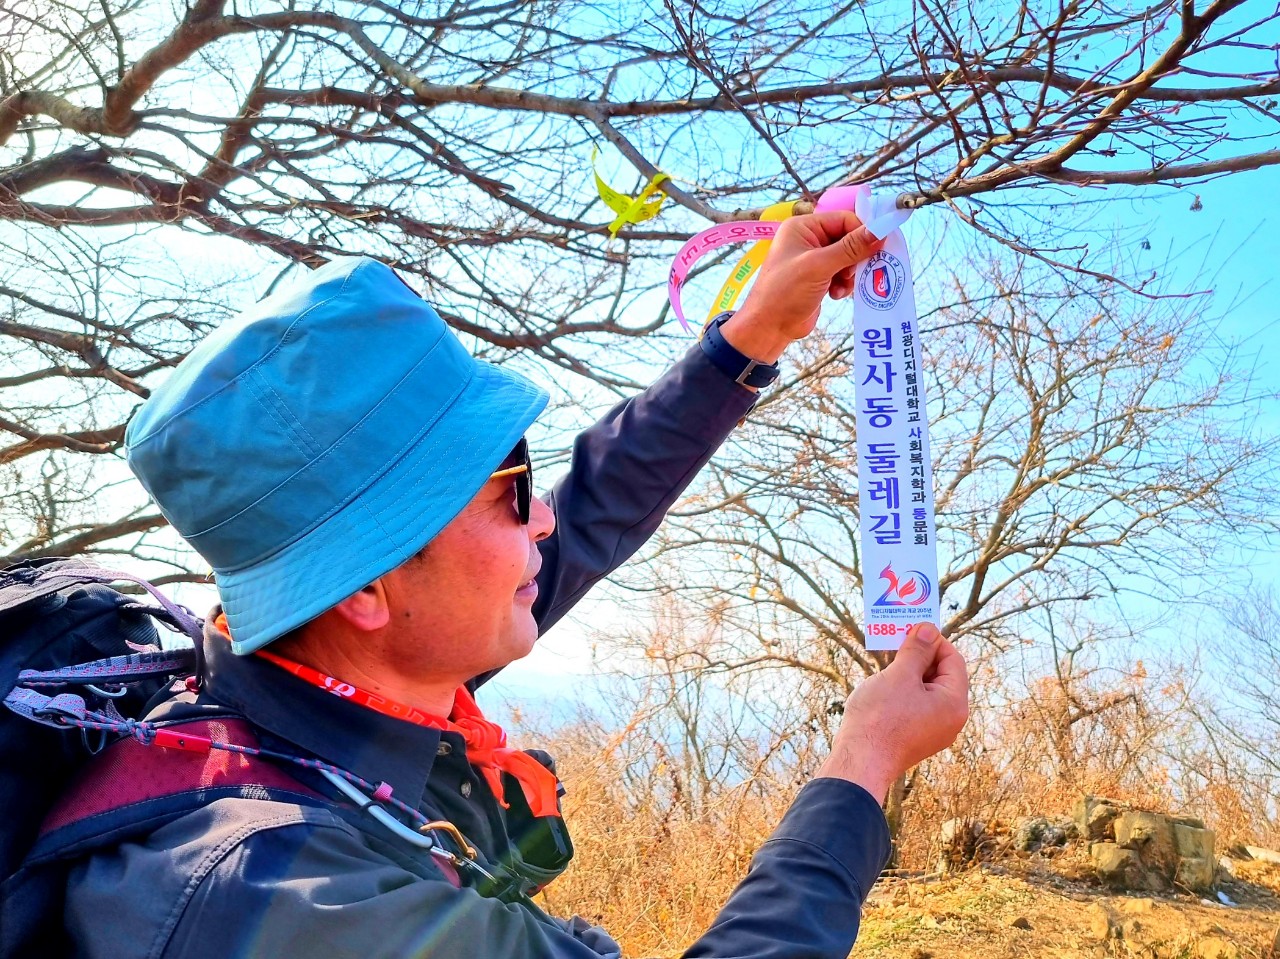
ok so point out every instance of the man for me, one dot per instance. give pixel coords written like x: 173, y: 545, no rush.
x: 362, y: 489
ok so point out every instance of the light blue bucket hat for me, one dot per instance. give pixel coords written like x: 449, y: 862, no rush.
x: 319, y: 440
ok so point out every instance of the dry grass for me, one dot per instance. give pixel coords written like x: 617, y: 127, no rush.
x: 972, y: 915
x: 648, y: 871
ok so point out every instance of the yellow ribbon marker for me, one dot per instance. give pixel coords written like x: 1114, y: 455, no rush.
x: 630, y: 209
x: 750, y: 262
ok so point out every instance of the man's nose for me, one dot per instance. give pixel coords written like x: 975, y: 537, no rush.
x: 542, y: 520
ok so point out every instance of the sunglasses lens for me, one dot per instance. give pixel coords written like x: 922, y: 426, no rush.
x: 524, y: 496
x: 524, y: 480
x: 524, y: 486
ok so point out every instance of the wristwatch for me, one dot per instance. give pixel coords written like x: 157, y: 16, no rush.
x: 743, y: 369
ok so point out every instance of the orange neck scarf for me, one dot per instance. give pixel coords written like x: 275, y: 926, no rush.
x: 486, y: 741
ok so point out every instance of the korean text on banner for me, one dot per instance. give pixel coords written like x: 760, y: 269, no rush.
x: 895, y: 473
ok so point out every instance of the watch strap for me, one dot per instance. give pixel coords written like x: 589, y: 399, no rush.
x: 742, y: 368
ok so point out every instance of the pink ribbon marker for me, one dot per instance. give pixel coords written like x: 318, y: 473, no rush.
x: 879, y: 214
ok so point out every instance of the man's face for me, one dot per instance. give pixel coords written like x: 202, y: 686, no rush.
x: 464, y: 605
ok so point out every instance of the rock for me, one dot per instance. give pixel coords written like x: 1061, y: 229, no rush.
x: 1263, y: 855
x: 1100, y: 822
x: 1020, y: 923
x: 1193, y: 842
x: 1056, y: 834
x: 1135, y: 828
x: 1151, y: 835
x: 1116, y: 867
x: 1191, y: 821
x: 1026, y: 834
x: 1093, y: 817
x: 1195, y: 874
x: 1102, y: 924
x: 959, y: 838
x: 1138, y: 907
x: 1214, y: 947
x: 955, y: 831
x: 1226, y: 868
x: 1131, y: 930
x: 1080, y: 812
x: 1031, y: 835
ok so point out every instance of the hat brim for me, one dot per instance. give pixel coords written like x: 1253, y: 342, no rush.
x: 389, y: 521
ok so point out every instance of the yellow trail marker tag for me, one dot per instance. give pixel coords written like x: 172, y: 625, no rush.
x: 750, y: 262
x: 629, y: 209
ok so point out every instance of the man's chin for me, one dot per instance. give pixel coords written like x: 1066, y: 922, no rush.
x: 525, y: 645
x: 522, y: 641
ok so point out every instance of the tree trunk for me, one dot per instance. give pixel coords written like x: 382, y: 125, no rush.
x: 893, y: 813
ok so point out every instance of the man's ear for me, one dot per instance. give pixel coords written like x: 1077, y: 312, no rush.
x: 367, y: 610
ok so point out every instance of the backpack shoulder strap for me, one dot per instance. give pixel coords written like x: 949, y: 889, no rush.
x: 132, y: 788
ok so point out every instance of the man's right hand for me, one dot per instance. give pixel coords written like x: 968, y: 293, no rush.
x: 903, y: 714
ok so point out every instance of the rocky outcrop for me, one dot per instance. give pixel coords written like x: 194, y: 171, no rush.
x: 1142, y: 850
x: 1118, y: 868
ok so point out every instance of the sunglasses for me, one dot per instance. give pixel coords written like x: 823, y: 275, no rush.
x: 523, y: 472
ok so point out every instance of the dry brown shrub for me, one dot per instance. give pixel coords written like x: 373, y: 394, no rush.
x: 647, y: 869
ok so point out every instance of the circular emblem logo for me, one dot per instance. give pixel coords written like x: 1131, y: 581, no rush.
x: 882, y: 281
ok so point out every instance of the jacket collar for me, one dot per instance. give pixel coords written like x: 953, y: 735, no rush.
x: 375, y: 747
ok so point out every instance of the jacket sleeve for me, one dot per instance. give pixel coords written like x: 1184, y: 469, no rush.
x: 802, y: 897
x: 626, y: 472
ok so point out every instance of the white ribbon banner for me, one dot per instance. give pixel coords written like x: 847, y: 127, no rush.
x: 895, y: 473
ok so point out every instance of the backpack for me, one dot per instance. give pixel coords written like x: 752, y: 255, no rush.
x: 71, y: 646
x: 60, y: 613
